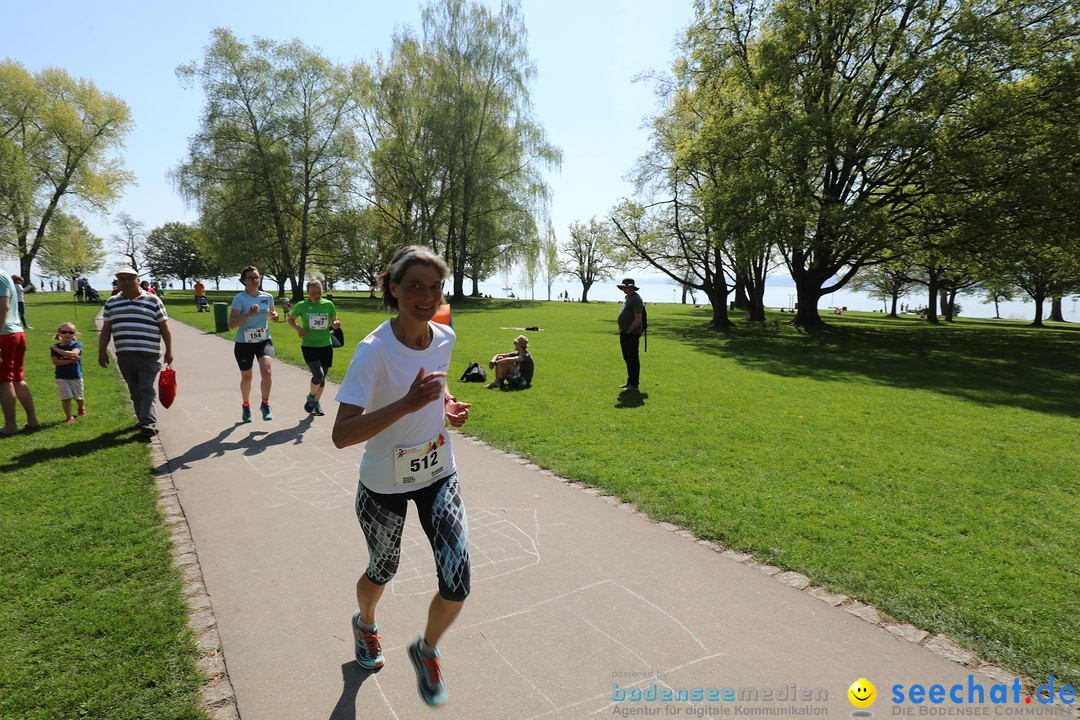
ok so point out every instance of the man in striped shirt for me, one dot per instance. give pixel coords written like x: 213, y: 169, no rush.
x: 136, y: 322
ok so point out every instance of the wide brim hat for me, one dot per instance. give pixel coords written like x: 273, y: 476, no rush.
x: 126, y: 271
x: 627, y: 283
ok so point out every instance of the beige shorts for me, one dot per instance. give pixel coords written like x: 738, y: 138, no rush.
x: 69, y: 389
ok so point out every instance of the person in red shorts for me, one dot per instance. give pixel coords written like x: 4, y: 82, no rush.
x: 12, y: 352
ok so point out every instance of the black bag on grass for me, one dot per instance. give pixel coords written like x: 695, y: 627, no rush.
x: 473, y: 373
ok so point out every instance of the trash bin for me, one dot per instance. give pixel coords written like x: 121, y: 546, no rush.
x: 221, y: 317
x: 731, y: 306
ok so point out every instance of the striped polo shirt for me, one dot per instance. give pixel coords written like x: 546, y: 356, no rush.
x: 136, y: 323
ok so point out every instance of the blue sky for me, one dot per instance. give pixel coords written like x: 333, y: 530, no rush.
x: 586, y: 54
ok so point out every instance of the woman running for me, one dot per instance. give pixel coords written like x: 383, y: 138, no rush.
x: 394, y: 398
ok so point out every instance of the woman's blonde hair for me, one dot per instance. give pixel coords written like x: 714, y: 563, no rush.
x: 404, y: 259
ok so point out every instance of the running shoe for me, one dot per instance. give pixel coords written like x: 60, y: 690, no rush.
x: 70, y: 420
x: 318, y: 410
x: 265, y: 410
x: 429, y: 682
x: 245, y: 414
x: 82, y: 412
x: 309, y: 404
x: 368, y: 651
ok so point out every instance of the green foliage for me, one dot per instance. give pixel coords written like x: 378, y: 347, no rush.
x: 833, y: 129
x: 275, y: 156
x: 59, y: 143
x: 593, y: 254
x: 455, y: 155
x: 69, y: 244
x: 172, y: 251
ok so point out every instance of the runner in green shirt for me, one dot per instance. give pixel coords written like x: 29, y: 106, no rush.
x: 317, y: 317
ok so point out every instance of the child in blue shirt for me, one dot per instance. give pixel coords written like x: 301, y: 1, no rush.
x: 67, y: 357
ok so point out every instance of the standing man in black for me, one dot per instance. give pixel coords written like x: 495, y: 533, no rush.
x: 630, y: 332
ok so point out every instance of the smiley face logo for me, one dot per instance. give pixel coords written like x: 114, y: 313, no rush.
x: 862, y: 693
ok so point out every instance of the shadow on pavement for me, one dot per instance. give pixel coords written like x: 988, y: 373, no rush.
x: 352, y: 677
x: 253, y: 443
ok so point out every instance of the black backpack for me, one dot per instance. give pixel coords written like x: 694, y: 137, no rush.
x: 473, y: 373
x: 645, y: 325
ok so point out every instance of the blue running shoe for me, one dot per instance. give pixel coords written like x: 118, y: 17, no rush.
x: 429, y: 682
x: 317, y: 410
x: 309, y: 404
x: 245, y: 414
x: 368, y: 651
x: 265, y: 410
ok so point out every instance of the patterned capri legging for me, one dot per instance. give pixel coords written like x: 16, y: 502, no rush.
x: 442, y: 515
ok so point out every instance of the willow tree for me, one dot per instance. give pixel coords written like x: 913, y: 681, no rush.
x: 275, y: 137
x: 456, y: 156
x: 60, y: 141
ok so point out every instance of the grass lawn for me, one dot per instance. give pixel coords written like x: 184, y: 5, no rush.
x: 929, y: 471
x: 92, y: 619
x: 932, y: 472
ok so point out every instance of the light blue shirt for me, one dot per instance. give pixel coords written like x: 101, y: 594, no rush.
x: 243, y: 302
x: 11, y: 322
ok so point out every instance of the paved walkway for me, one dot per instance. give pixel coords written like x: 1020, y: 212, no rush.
x: 572, y: 592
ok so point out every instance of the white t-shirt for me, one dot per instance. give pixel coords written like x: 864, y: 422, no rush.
x: 382, y: 371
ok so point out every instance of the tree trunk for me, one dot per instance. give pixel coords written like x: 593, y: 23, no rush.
x: 743, y: 301
x: 948, y: 304
x: 997, y: 310
x: 895, y: 300
x: 931, y: 308
x: 476, y: 287
x: 718, y: 298
x: 1055, y: 309
x: 755, y: 303
x: 807, y: 313
x: 1038, y: 321
x: 585, y: 292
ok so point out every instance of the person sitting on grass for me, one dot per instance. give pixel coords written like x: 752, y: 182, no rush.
x: 513, y: 368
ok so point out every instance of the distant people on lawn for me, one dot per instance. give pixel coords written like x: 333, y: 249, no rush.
x: 317, y: 316
x: 137, y: 324
x: 630, y: 329
x: 20, y: 292
x: 66, y: 355
x: 201, y: 302
x: 513, y: 368
x: 252, y: 311
x: 12, y: 355
x: 395, y: 400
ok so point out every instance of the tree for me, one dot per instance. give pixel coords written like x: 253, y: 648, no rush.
x: 884, y: 282
x: 59, y: 143
x: 592, y: 254
x: 551, y: 266
x: 70, y: 246
x: 172, y: 251
x: 996, y: 291
x: 843, y: 103
x: 455, y: 154
x: 130, y: 241
x: 275, y: 152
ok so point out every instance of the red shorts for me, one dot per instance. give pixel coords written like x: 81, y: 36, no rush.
x: 12, y: 353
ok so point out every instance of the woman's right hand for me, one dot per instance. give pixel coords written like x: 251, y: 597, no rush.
x: 425, y: 389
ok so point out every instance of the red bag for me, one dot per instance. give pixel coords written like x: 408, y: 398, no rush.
x: 167, y: 386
